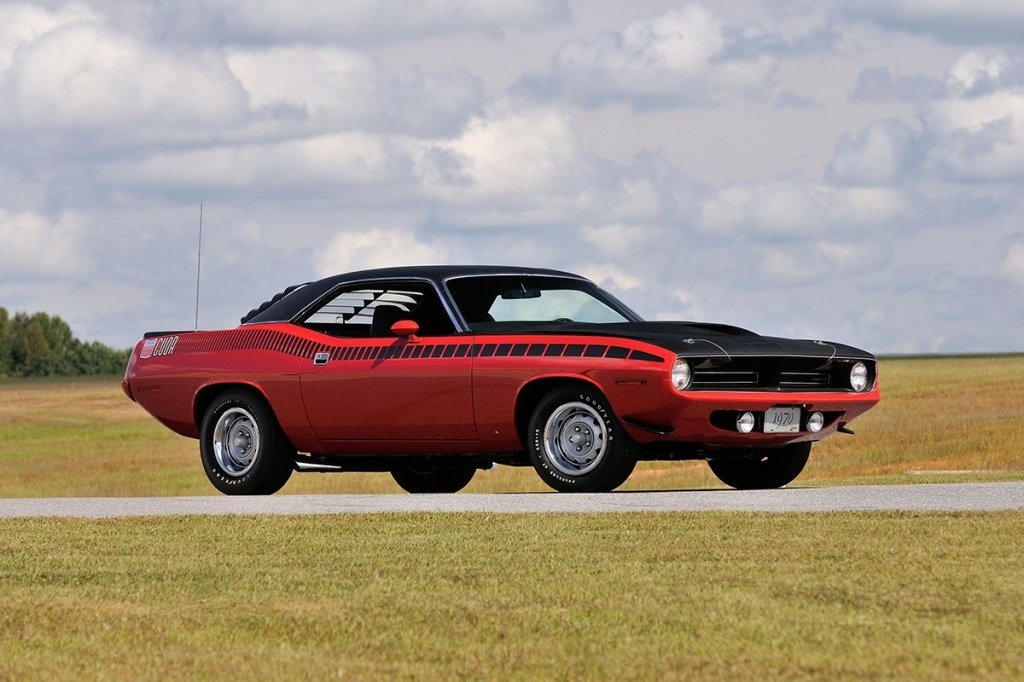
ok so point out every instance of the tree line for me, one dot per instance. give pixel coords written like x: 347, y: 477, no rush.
x: 40, y: 345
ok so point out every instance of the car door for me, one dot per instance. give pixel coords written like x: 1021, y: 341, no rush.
x: 373, y: 385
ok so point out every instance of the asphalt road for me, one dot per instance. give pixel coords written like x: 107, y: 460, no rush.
x: 920, y: 497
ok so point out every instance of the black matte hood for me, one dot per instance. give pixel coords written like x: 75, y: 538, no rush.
x: 699, y: 339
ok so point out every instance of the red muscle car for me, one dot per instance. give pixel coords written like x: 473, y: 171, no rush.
x: 431, y: 373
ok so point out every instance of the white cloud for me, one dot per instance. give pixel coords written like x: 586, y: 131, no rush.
x: 978, y: 138
x: 682, y: 57
x: 36, y: 246
x: 327, y: 21
x: 505, y: 157
x: 684, y: 305
x: 777, y: 208
x: 524, y: 166
x: 975, y: 73
x: 22, y: 23
x: 879, y: 84
x: 316, y: 81
x: 72, y: 74
x: 333, y: 88
x: 82, y: 75
x: 817, y: 261
x: 618, y: 240
x: 610, y: 275
x: 378, y: 248
x: 972, y: 130
x: 317, y: 164
x: 883, y: 153
x: 868, y: 208
x: 789, y: 99
x: 779, y: 265
x: 955, y: 21
x: 797, y: 210
x: 1013, y: 264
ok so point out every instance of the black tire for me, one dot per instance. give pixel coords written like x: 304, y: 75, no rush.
x: 766, y: 469
x: 244, y: 451
x: 575, y: 442
x: 434, y: 477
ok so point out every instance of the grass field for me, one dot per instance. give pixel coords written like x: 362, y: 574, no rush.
x: 469, y: 596
x: 474, y: 596
x: 84, y: 438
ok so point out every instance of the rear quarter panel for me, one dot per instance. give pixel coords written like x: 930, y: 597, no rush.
x: 176, y: 387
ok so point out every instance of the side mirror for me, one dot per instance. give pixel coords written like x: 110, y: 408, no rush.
x: 406, y: 328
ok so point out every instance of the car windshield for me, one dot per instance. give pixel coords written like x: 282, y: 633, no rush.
x: 486, y: 301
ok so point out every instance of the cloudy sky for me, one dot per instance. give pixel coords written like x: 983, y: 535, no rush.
x: 842, y: 170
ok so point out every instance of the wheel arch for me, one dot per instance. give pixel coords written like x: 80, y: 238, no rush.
x: 268, y: 467
x: 531, y: 393
x: 208, y: 393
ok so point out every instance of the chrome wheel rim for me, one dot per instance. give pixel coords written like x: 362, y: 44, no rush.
x: 236, y: 442
x: 574, y: 438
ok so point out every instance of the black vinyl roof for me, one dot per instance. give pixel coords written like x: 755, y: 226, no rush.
x: 293, y: 300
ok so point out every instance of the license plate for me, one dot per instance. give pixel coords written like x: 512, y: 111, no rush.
x: 782, y: 420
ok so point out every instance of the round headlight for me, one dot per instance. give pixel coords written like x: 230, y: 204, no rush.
x: 859, y: 377
x: 745, y: 422
x: 681, y: 374
x: 816, y: 422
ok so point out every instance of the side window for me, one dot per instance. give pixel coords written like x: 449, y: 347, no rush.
x: 369, y: 311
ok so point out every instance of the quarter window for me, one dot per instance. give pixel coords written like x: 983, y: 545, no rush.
x: 351, y: 310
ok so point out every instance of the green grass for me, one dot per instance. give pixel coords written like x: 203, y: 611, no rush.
x: 475, y: 596
x: 471, y: 596
x: 84, y: 438
x: 944, y: 414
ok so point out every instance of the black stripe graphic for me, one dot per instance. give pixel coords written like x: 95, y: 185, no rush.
x: 288, y: 344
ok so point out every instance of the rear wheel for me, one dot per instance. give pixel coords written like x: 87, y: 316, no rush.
x: 244, y: 451
x: 766, y: 469
x: 434, y: 477
x: 575, y: 442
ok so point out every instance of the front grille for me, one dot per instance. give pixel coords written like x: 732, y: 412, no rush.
x: 805, y: 380
x: 718, y: 380
x: 771, y: 374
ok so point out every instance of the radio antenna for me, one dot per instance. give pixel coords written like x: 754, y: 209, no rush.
x: 199, y: 261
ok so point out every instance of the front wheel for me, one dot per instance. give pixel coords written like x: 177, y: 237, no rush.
x: 576, y: 444
x: 767, y: 469
x: 434, y: 478
x: 244, y: 451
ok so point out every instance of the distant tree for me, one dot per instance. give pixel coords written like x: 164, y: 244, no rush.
x: 43, y: 345
x: 95, y: 358
x: 5, y: 343
x: 32, y: 353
